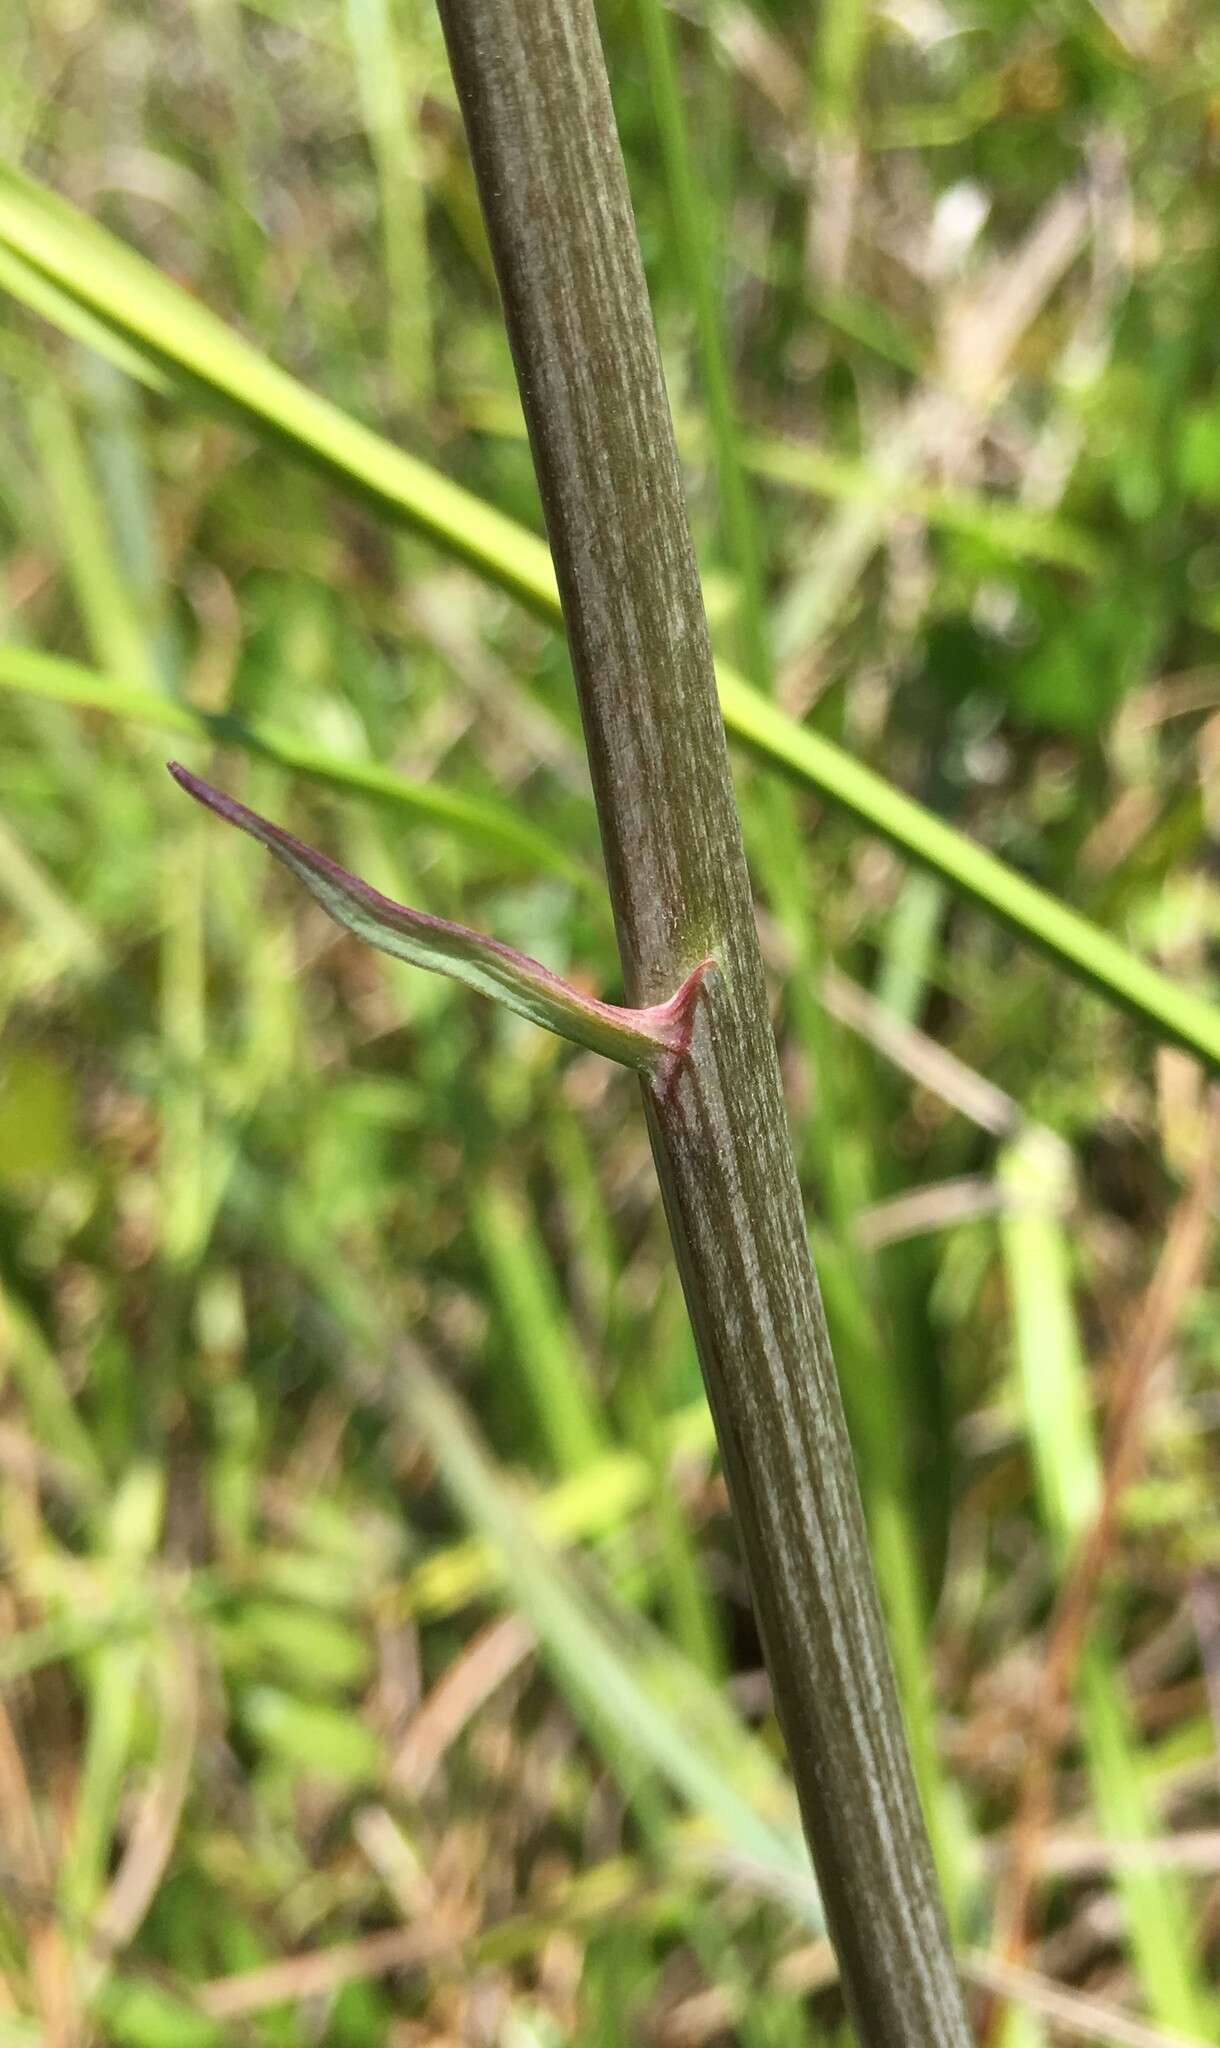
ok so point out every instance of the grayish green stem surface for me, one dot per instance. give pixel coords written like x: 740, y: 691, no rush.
x: 532, y: 83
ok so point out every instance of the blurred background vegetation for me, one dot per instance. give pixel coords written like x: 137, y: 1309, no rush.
x: 377, y: 1662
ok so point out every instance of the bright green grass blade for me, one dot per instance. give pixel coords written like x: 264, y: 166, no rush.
x: 539, y: 1333
x: 908, y: 946
x: 151, y: 313
x: 1035, y: 1173
x: 482, y: 820
x: 1055, y: 1398
x: 1156, y: 1902
x: 390, y: 99
x: 693, y: 241
x: 633, y: 1698
x: 115, y: 1682
x: 838, y: 63
x: 602, y: 1498
x: 110, y: 620
x: 45, y: 298
x: 1075, y: 942
x: 181, y: 336
x: 996, y: 523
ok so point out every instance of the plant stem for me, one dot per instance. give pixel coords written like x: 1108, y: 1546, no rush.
x: 532, y: 84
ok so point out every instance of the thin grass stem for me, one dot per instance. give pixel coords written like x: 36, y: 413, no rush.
x: 534, y: 95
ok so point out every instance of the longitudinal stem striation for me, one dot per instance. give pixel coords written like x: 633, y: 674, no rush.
x: 532, y: 84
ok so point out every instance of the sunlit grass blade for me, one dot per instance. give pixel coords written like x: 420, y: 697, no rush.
x: 115, y: 1678
x: 601, y: 1499
x: 693, y: 240
x: 666, y: 1727
x: 150, y: 313
x: 1070, y: 939
x: 1055, y: 1398
x: 649, y: 1039
x: 109, y: 617
x: 58, y: 306
x: 390, y: 100
x: 998, y: 524
x: 540, y: 1335
x: 481, y: 820
x: 904, y: 968
x: 181, y: 336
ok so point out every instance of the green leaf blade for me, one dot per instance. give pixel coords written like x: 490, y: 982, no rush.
x: 649, y: 1039
x: 481, y: 820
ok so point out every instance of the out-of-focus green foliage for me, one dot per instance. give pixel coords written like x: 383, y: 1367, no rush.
x: 337, y: 1708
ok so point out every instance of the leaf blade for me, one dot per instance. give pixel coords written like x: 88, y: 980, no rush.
x: 481, y: 819
x: 648, y: 1039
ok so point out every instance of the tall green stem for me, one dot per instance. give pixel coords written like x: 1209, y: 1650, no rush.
x: 867, y: 1368
x: 532, y: 84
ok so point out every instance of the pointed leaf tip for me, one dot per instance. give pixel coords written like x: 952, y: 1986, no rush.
x: 653, y: 1040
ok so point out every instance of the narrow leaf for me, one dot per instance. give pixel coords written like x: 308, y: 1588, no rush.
x: 481, y: 820
x: 649, y: 1039
x: 640, y: 1700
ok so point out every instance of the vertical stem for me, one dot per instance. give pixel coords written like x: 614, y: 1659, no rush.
x: 532, y: 83
x: 867, y: 1368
